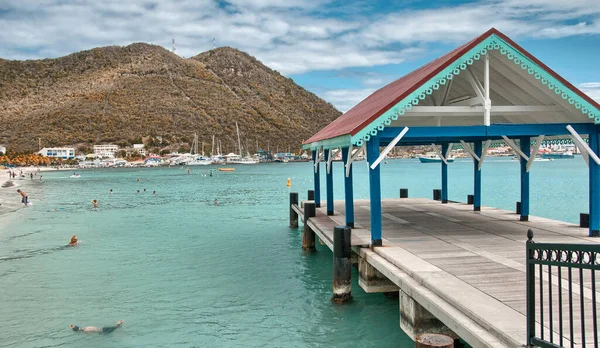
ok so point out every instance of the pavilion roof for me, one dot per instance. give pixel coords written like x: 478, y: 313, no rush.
x: 385, y: 105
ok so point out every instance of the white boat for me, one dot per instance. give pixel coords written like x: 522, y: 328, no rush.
x: 433, y: 158
x: 75, y: 176
x: 238, y: 159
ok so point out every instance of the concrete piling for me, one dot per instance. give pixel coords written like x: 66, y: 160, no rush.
x: 434, y: 341
x: 518, y: 209
x: 437, y: 194
x: 293, y: 214
x: 308, y: 235
x: 342, y: 264
x: 311, y: 195
x: 584, y: 220
x: 403, y: 193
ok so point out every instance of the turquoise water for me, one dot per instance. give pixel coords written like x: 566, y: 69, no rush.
x: 183, y: 272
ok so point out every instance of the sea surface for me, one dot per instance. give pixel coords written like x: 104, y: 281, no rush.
x: 184, y: 272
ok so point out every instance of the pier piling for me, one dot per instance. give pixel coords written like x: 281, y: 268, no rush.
x: 311, y: 195
x: 293, y: 214
x: 470, y: 199
x: 437, y: 194
x: 342, y: 265
x: 584, y: 220
x: 434, y: 341
x: 518, y: 209
x: 403, y: 193
x: 308, y: 235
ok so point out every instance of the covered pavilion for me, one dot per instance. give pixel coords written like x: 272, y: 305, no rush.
x: 487, y: 90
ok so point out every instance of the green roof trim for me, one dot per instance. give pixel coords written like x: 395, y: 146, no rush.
x: 493, y: 42
x: 333, y: 143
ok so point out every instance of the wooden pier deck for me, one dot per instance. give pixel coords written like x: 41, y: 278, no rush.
x: 467, y: 268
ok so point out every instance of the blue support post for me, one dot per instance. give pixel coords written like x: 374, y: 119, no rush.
x: 477, y: 177
x: 444, y: 175
x: 594, y: 190
x: 317, y: 179
x: 526, y: 148
x: 329, y: 183
x: 349, y: 194
x: 374, y: 191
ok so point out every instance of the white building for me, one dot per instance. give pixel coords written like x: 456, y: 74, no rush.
x: 58, y: 152
x: 2, y: 150
x: 140, y: 149
x: 106, y: 150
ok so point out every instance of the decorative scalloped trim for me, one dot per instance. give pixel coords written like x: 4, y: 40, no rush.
x: 491, y: 43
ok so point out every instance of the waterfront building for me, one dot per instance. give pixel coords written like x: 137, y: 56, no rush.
x: 2, y: 150
x: 106, y: 150
x: 58, y: 152
x: 140, y: 149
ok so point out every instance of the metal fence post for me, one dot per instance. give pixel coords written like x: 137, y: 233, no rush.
x: 530, y: 286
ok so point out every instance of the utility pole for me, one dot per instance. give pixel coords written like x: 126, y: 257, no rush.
x: 39, y: 144
x: 173, y: 49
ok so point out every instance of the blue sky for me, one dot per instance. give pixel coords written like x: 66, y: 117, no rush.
x: 340, y: 50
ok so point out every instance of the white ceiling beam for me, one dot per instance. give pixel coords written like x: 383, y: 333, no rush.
x: 487, y: 105
x: 447, y: 154
x: 329, y: 160
x: 389, y: 148
x: 534, y: 153
x: 467, y: 102
x: 352, y: 157
x: 453, y: 110
x: 349, y: 161
x: 486, y: 146
x: 469, y: 150
x: 582, y: 145
x: 438, y: 151
x: 475, y: 85
x: 446, y: 93
x: 318, y: 159
x: 515, y: 148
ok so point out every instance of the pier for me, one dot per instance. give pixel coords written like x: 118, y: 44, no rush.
x: 457, y: 271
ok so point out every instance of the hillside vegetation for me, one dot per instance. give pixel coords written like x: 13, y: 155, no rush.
x: 123, y: 94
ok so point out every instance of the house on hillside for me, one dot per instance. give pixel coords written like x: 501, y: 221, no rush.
x: 58, y: 152
x: 2, y: 150
x: 106, y: 150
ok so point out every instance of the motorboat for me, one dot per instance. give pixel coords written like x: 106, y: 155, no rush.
x: 75, y: 176
x: 433, y: 158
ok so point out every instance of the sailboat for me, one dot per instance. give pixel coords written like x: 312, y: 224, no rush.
x: 238, y: 159
x: 197, y: 159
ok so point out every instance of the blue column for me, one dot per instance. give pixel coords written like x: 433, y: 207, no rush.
x: 317, y: 180
x: 594, y: 189
x: 329, y: 184
x: 444, y: 175
x: 526, y: 148
x: 374, y: 191
x: 477, y: 177
x: 349, y: 194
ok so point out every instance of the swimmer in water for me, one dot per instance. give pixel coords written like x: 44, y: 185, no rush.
x: 138, y: 191
x: 189, y: 171
x: 153, y: 192
x: 216, y: 202
x: 144, y: 190
x: 95, y: 203
x: 73, y: 241
x: 87, y: 329
x: 111, y: 191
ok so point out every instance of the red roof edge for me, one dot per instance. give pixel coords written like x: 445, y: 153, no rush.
x: 429, y: 76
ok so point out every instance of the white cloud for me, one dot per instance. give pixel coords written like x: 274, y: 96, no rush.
x: 345, y: 99
x: 592, y: 89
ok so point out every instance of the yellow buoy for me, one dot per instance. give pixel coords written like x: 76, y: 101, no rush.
x: 289, y: 183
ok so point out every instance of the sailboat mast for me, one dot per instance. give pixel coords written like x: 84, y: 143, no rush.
x: 202, y: 149
x: 195, y: 144
x: 212, y: 147
x: 238, y: 135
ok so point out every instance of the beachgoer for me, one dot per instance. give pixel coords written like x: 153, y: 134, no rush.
x: 73, y: 241
x: 138, y: 179
x: 189, y: 171
x: 95, y: 203
x: 23, y: 197
x: 138, y: 191
x: 144, y: 190
x: 216, y: 202
x: 106, y: 329
x: 211, y: 172
x: 111, y: 191
x: 31, y: 176
x: 40, y: 177
x: 153, y: 192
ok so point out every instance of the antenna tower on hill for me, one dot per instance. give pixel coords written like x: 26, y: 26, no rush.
x: 173, y: 49
x: 214, y: 43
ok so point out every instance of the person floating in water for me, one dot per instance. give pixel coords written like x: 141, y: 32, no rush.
x: 153, y: 192
x: 216, y: 202
x: 211, y: 172
x: 73, y: 241
x: 138, y: 191
x: 189, y: 171
x: 95, y: 203
x: 106, y: 329
x: 111, y: 191
x: 23, y: 197
x: 144, y: 190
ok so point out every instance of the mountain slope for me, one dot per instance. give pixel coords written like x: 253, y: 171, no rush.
x: 120, y: 94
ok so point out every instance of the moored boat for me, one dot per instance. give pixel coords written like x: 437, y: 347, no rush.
x: 433, y: 159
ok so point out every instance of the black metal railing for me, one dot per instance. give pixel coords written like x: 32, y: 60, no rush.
x: 563, y: 314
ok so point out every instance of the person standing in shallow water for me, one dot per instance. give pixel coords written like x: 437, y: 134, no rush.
x: 95, y: 203
x: 91, y: 329
x: 23, y: 197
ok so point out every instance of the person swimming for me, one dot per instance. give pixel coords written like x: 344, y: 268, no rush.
x: 73, y: 241
x: 111, y: 191
x: 92, y: 329
x: 95, y: 203
x: 216, y: 202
